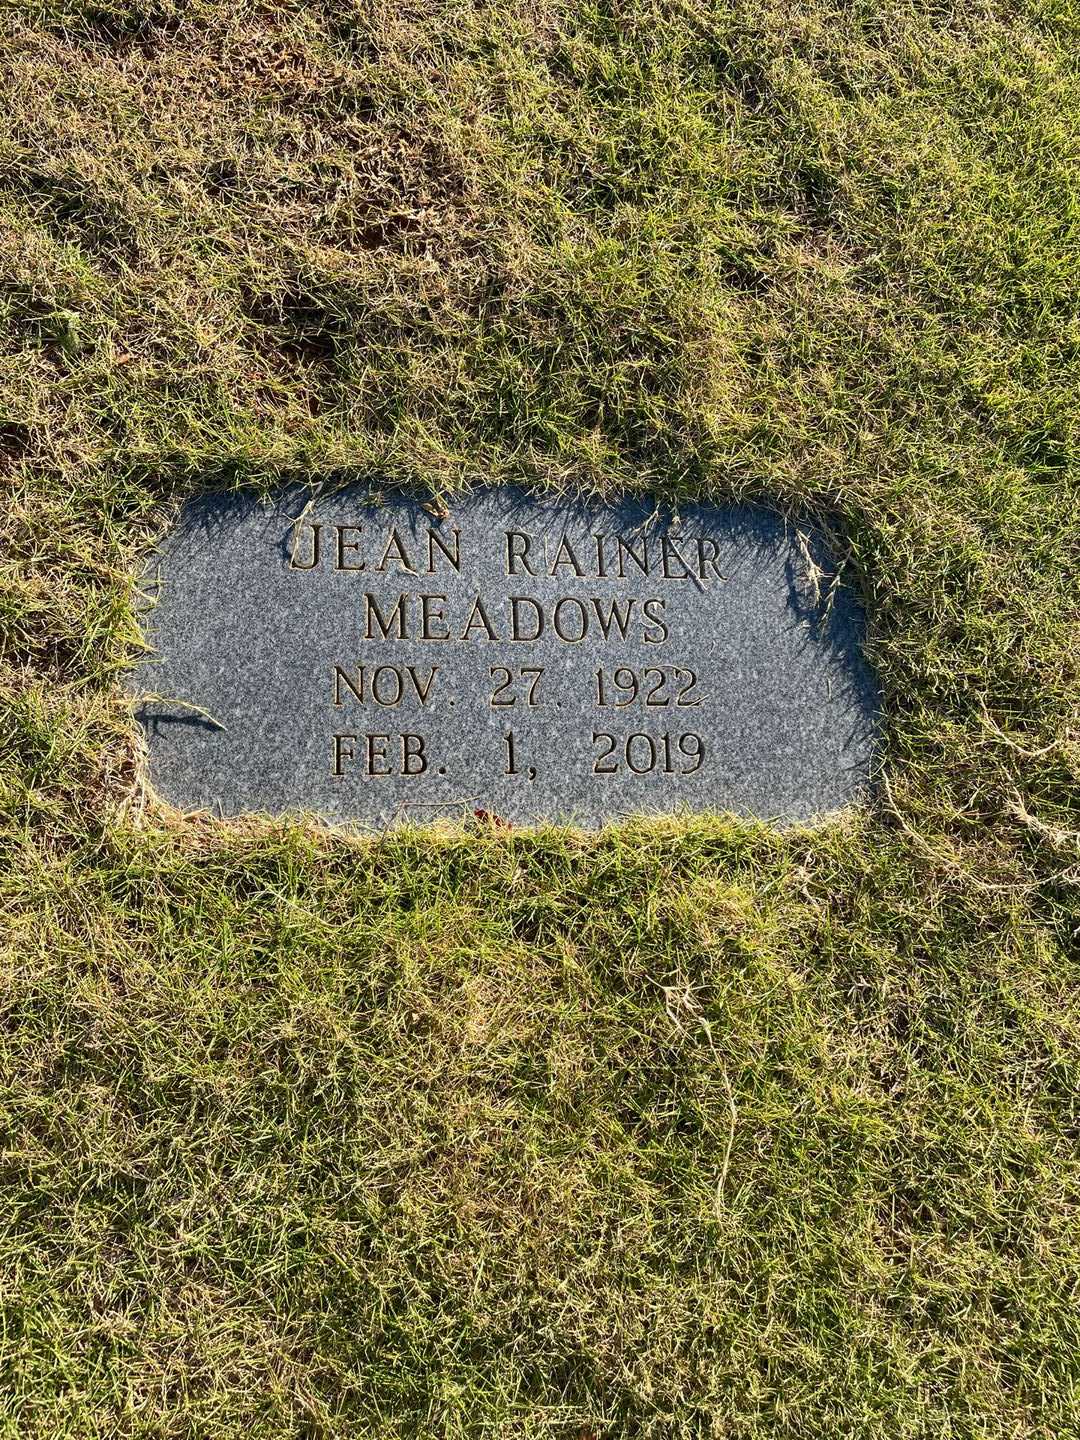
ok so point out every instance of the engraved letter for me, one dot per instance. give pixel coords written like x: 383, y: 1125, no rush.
x: 374, y: 754
x: 614, y: 616
x: 394, y: 546
x: 413, y: 759
x: 294, y: 564
x: 516, y: 601
x: 477, y: 619
x: 384, y: 622
x: 430, y: 615
x: 422, y: 690
x: 397, y: 686
x: 625, y: 549
x: 668, y: 548
x: 340, y: 678
x: 706, y: 545
x: 517, y: 548
x: 343, y: 545
x: 342, y: 752
x: 649, y: 635
x: 583, y: 619
x: 566, y: 556
x: 454, y: 556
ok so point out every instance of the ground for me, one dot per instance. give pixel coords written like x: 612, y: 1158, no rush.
x: 682, y: 1129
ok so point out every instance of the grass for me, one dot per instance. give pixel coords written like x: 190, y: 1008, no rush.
x: 692, y: 1129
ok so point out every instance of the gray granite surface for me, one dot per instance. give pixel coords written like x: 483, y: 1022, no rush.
x: 727, y: 679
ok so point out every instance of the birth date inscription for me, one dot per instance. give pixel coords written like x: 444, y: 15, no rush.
x: 361, y: 658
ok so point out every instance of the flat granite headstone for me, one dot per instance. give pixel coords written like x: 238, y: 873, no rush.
x: 527, y: 659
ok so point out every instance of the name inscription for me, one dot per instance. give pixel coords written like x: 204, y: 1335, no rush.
x: 520, y: 659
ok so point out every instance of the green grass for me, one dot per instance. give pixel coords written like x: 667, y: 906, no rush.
x: 692, y: 1129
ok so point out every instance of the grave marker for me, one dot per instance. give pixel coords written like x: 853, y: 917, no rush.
x: 527, y: 658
